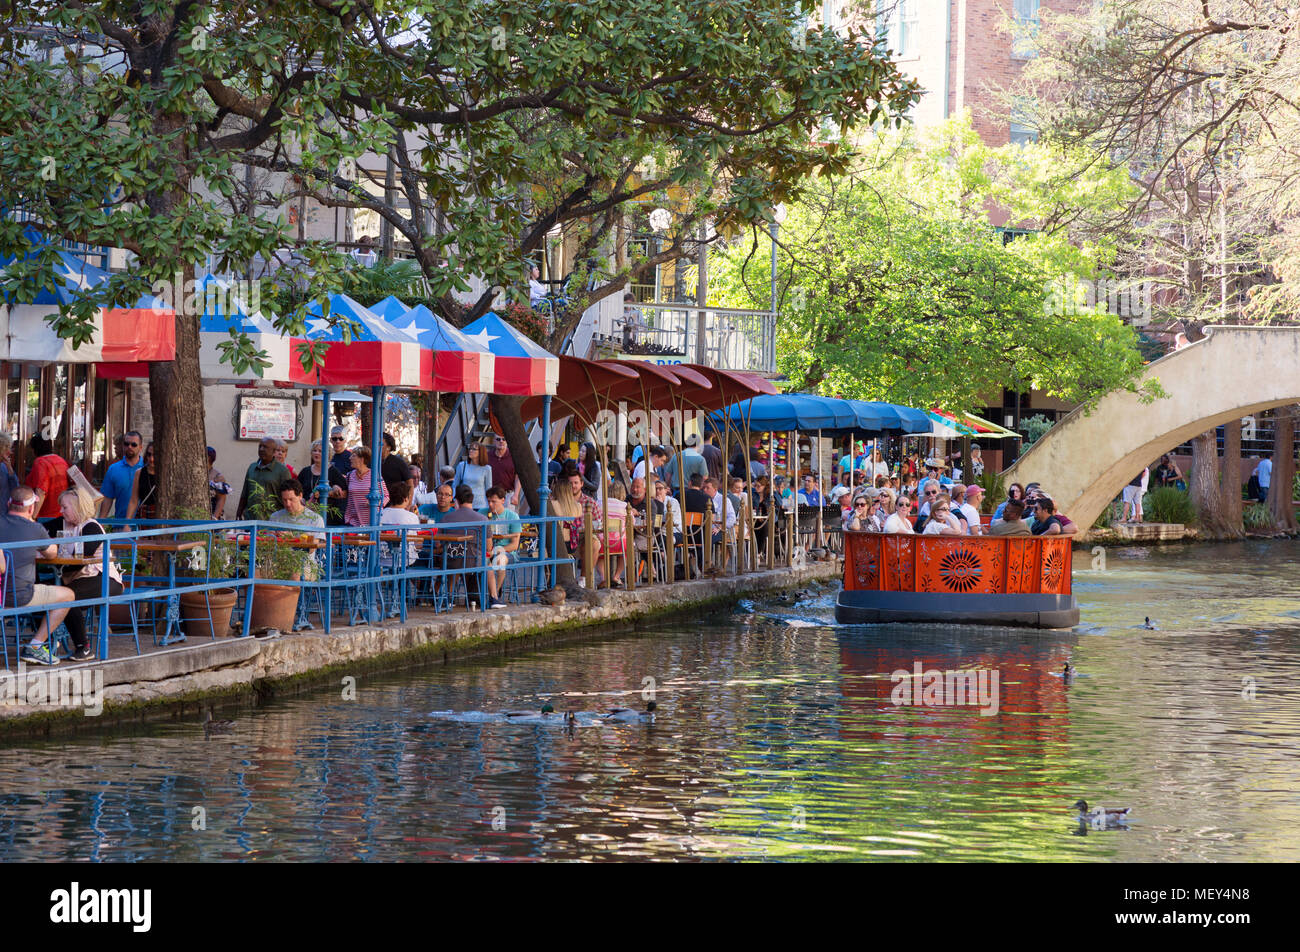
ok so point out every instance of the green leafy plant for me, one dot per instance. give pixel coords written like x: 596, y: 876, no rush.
x: 1034, y: 427
x: 1168, y: 504
x: 1256, y: 516
x: 995, y: 490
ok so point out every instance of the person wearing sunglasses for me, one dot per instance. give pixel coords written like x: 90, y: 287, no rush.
x: 120, y: 478
x: 898, y: 521
x: 941, y: 521
x: 929, y: 492
x: 866, y: 515
x: 340, y: 455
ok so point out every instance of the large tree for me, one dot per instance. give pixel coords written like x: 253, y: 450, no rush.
x: 505, y: 121
x: 896, y: 286
x: 1194, y: 101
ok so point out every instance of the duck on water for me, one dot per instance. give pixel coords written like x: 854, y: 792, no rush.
x: 549, y: 716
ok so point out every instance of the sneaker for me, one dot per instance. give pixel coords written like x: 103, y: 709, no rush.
x: 39, y: 654
x: 496, y: 603
x: 83, y: 654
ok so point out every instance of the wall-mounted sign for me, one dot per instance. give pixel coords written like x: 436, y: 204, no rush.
x: 260, y: 417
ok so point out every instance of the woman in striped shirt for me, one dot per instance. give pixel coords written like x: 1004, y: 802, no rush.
x: 357, y: 512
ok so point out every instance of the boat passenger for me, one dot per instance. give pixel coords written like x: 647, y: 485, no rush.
x: 898, y: 521
x: 941, y: 520
x: 1014, y: 491
x: 1046, y: 521
x: 1011, y: 524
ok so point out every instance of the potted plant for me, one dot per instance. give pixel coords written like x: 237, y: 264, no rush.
x: 275, y: 606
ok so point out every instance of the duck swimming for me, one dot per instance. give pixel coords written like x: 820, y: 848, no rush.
x: 1067, y: 674
x: 216, y: 727
x: 1101, y: 817
x: 626, y: 715
x: 1146, y: 623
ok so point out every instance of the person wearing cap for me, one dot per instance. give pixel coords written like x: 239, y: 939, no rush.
x: 218, y: 488
x: 970, y: 508
x: 19, y: 524
x: 342, y: 456
x: 120, y: 477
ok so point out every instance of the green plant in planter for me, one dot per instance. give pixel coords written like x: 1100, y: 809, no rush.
x: 276, y: 558
x: 995, y: 490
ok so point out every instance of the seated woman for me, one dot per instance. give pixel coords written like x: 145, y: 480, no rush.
x: 616, y: 532
x: 941, y: 521
x: 898, y: 521
x: 86, y: 581
x: 567, y: 505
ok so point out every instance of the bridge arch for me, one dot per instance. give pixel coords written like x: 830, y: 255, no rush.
x: 1088, y: 458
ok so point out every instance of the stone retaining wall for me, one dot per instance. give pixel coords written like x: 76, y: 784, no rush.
x: 170, y: 681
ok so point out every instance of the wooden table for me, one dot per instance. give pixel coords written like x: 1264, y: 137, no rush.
x: 170, y: 548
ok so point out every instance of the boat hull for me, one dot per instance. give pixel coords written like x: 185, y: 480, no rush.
x: 860, y: 607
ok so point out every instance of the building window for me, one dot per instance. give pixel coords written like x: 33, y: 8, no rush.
x: 1024, y: 31
x: 901, y: 30
x: 1022, y: 132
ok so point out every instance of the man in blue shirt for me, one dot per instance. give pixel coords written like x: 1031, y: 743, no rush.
x: 120, y: 477
x: 342, y: 458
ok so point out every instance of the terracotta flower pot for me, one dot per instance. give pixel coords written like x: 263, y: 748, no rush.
x: 195, y: 608
x: 273, y: 606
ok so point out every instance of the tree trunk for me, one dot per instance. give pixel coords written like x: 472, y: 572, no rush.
x: 506, y: 409
x: 176, y: 386
x: 179, y: 437
x: 1204, y: 480
x: 1279, y: 490
x: 1230, y: 480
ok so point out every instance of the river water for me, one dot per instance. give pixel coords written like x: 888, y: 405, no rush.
x: 776, y: 738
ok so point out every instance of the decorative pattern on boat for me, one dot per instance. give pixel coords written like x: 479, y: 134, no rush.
x: 962, y: 565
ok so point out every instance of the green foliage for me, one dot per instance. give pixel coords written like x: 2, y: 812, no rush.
x: 1167, y: 504
x: 1256, y: 516
x: 1034, y: 427
x: 995, y: 490
x: 895, y: 285
x: 1106, y: 519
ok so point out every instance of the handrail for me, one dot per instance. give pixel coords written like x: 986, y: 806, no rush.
x: 367, y: 574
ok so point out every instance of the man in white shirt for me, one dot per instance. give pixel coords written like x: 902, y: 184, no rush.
x: 724, y: 516
x: 658, y: 457
x: 536, y: 290
x: 970, y: 508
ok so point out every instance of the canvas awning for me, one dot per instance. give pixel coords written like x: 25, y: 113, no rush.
x: 143, y: 332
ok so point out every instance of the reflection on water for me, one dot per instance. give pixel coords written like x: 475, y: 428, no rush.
x: 776, y: 738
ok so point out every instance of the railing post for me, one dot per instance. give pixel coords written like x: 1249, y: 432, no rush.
x: 706, y: 557
x: 588, y: 549
x: 789, y: 530
x: 670, y: 546
x: 630, y: 567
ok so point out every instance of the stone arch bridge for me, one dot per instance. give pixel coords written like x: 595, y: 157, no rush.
x: 1088, y: 458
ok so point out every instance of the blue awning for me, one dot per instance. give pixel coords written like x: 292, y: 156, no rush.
x: 831, y: 415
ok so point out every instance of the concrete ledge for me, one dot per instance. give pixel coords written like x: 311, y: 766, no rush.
x: 175, y: 662
x: 1149, y: 531
x: 166, y: 681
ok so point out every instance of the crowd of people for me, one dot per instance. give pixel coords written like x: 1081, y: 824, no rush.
x: 955, y: 510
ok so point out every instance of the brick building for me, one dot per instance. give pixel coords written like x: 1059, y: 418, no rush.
x: 964, y: 52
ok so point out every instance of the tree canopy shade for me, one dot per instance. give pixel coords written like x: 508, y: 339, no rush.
x: 135, y: 125
x: 896, y: 286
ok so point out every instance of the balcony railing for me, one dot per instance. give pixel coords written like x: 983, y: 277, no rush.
x: 726, y: 338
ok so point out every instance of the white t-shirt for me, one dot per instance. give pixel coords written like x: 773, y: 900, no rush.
x: 972, y: 517
x: 1265, y: 473
x: 401, y: 517
x: 536, y: 291
x: 896, y: 523
x: 934, y: 527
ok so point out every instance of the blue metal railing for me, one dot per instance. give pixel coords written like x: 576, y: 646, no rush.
x: 366, y: 571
